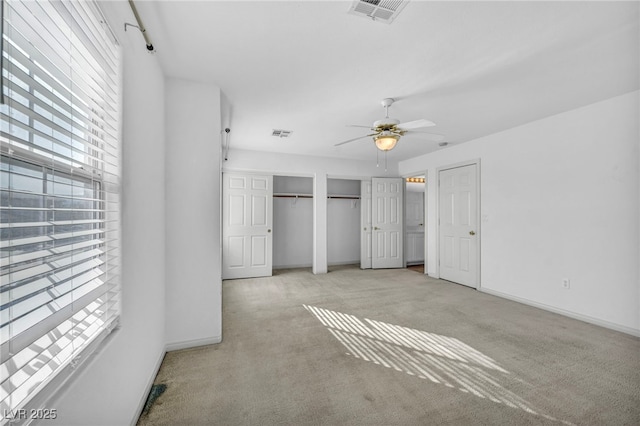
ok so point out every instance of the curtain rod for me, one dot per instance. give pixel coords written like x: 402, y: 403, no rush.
x: 140, y: 26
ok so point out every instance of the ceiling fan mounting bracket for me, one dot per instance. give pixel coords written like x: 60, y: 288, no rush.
x: 387, y: 102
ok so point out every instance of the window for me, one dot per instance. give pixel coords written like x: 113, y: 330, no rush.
x: 59, y: 193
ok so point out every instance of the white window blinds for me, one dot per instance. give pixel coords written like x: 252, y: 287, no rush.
x: 59, y: 191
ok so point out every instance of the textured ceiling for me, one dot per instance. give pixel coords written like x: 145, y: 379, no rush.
x: 473, y: 68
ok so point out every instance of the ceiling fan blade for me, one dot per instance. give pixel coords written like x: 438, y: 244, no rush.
x: 357, y: 125
x: 355, y: 139
x: 417, y: 124
x: 429, y: 136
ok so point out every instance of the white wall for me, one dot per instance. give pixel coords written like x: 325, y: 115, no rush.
x: 292, y: 185
x: 113, y: 386
x: 193, y: 267
x: 559, y: 199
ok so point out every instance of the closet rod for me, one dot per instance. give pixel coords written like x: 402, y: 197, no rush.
x: 338, y: 197
x: 292, y: 196
x: 344, y: 197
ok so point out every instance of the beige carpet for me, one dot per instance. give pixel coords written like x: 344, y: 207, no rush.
x: 393, y: 347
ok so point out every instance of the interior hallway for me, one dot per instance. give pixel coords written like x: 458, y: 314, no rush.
x: 394, y: 347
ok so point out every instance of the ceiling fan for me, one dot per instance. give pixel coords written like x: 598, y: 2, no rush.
x: 387, y: 132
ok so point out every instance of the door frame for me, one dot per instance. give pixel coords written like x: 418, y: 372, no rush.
x: 472, y: 162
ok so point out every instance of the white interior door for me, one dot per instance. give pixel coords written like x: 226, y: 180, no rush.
x: 365, y: 225
x: 247, y: 217
x: 458, y: 226
x: 387, y: 237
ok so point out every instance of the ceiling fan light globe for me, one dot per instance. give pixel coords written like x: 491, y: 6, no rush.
x: 386, y: 142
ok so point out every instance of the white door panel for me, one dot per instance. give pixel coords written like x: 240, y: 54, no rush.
x: 458, y: 226
x: 246, y: 231
x: 387, y: 217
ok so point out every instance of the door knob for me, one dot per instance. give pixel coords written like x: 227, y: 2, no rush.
x: 375, y: 228
x: 268, y: 230
x: 472, y: 233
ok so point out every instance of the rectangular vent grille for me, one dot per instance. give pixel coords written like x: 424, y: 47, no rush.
x: 378, y: 10
x: 281, y: 133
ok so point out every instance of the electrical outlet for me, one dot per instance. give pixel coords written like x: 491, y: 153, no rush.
x: 566, y: 283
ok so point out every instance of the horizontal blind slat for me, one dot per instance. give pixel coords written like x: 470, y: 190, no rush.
x: 49, y: 223
x: 52, y: 267
x: 47, y: 253
x: 47, y: 238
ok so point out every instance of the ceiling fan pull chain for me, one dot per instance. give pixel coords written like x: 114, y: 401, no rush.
x: 385, y: 161
x: 377, y: 158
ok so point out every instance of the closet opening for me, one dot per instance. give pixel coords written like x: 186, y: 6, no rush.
x: 343, y: 223
x: 292, y: 222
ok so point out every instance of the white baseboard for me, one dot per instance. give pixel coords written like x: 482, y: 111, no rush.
x: 296, y: 266
x: 349, y: 262
x: 152, y: 378
x: 574, y: 315
x: 186, y: 344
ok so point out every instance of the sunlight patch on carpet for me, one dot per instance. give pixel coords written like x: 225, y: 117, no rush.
x: 439, y: 359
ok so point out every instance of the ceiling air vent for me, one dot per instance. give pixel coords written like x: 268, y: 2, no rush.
x: 378, y: 10
x: 281, y: 133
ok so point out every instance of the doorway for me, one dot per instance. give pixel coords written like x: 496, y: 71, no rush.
x: 292, y: 222
x: 415, y: 191
x: 343, y: 221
